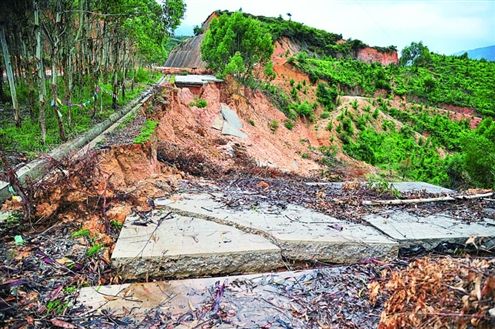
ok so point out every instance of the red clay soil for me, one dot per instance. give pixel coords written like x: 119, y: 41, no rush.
x: 371, y: 55
x: 191, y: 128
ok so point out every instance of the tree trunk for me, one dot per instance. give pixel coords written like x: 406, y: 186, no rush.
x: 54, y: 87
x: 41, y: 73
x: 10, y: 76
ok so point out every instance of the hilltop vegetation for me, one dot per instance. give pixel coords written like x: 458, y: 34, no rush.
x: 316, y: 41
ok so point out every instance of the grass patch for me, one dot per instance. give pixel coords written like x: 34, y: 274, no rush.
x: 82, y: 233
x: 200, y: 102
x: 27, y: 138
x: 147, y: 131
x: 94, y: 250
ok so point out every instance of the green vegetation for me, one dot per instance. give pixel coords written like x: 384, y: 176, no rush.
x: 71, y: 64
x: 474, y: 164
x: 94, y: 250
x: 26, y: 137
x: 289, y: 124
x: 382, y: 185
x: 469, y: 154
x: 82, y: 233
x: 199, y: 102
x: 273, y: 125
x: 116, y: 225
x: 433, y: 79
x: 56, y: 306
x: 147, y: 131
x: 234, y: 44
x: 315, y: 40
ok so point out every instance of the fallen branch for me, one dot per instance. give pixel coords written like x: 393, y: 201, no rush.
x: 425, y: 200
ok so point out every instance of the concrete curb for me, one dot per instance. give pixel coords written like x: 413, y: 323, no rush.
x: 39, y: 167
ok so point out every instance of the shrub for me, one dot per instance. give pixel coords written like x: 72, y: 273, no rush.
x: 273, y: 125
x: 289, y: 124
x: 199, y: 102
x: 304, y: 109
x: 325, y: 115
x: 326, y: 96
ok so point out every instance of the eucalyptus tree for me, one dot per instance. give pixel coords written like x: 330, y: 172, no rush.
x: 56, y: 51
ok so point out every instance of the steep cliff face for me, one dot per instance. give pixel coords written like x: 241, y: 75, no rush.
x: 187, y: 55
x: 372, y: 55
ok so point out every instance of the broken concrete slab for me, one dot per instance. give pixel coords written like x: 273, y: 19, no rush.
x: 217, y: 122
x: 410, y: 229
x: 178, y: 297
x: 232, y: 125
x: 333, y: 296
x: 195, y: 79
x: 230, y: 116
x: 407, y: 187
x: 228, y: 129
x: 403, y: 187
x: 182, y: 246
x: 302, y: 234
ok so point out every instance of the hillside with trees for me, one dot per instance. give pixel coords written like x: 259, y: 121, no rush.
x: 66, y: 65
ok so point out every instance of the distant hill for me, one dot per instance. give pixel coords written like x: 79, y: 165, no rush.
x: 487, y: 53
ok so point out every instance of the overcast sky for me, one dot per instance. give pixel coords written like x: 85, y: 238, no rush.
x: 444, y: 26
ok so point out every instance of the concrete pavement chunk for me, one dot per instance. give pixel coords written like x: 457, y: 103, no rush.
x: 253, y: 296
x: 409, y: 229
x: 232, y: 124
x: 184, y: 246
x: 230, y: 116
x: 302, y: 234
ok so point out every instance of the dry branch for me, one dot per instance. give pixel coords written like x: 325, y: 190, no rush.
x: 426, y: 200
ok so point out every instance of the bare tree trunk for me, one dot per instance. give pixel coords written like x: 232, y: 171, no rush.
x: 10, y: 76
x: 41, y: 73
x: 2, y: 92
x: 54, y: 87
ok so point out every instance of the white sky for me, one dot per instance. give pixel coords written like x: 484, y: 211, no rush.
x: 444, y: 26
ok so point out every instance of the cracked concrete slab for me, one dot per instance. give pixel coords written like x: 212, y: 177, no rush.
x: 178, y: 297
x: 302, y: 234
x: 410, y: 229
x: 232, y: 125
x: 217, y: 122
x: 182, y: 246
